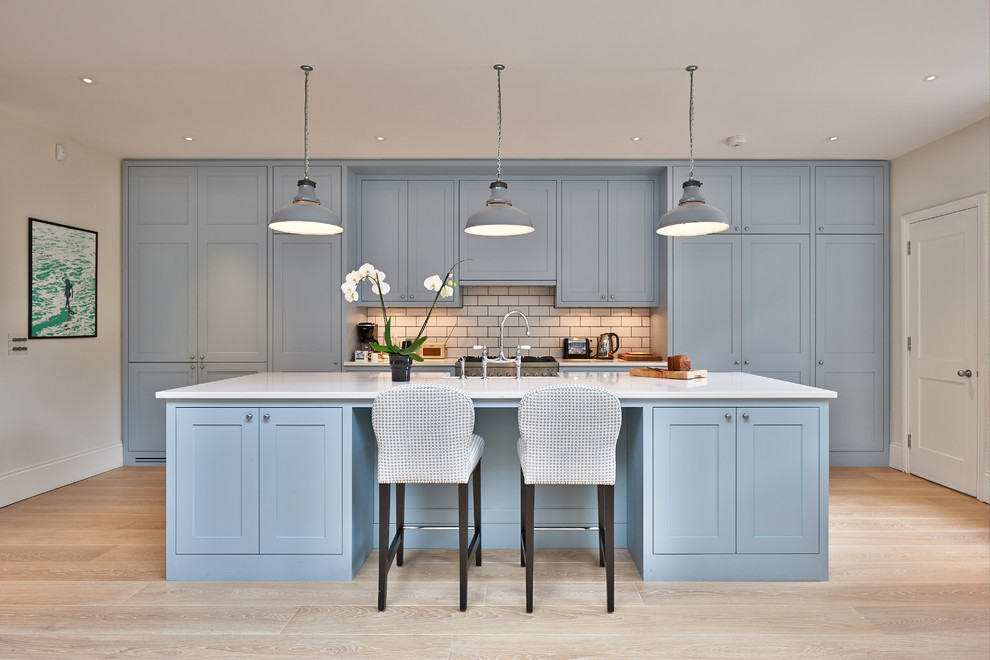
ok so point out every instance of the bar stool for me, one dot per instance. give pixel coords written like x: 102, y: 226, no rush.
x: 567, y: 435
x: 425, y: 434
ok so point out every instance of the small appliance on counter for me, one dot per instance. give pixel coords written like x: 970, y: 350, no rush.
x: 367, y: 333
x: 577, y: 348
x: 608, y: 344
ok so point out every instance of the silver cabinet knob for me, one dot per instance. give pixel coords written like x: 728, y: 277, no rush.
x: 202, y: 366
x: 192, y: 366
x: 266, y: 417
x: 202, y: 357
x: 411, y: 296
x: 728, y: 417
x: 821, y: 362
x: 612, y: 296
x: 968, y: 373
x: 745, y: 228
x: 736, y: 363
x: 249, y: 417
x: 746, y: 416
x: 403, y: 296
x: 821, y: 229
x: 603, y: 296
x: 192, y: 357
x: 736, y: 228
x: 745, y: 361
x: 335, y: 363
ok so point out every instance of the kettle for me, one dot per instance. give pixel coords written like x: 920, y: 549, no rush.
x: 608, y: 344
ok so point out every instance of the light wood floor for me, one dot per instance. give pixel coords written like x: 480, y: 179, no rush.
x: 82, y: 576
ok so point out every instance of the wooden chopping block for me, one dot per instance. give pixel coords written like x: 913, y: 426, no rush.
x: 679, y: 363
x: 653, y: 372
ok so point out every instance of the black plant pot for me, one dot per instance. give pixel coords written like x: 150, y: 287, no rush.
x: 400, y: 367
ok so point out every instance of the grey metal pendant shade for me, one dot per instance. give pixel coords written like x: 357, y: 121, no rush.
x: 692, y: 216
x: 305, y: 214
x: 499, y: 217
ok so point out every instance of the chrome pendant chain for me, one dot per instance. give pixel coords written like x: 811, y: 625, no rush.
x: 307, y: 69
x: 691, y: 69
x: 498, y: 169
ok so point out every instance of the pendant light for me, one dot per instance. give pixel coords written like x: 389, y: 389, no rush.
x: 305, y: 215
x: 692, y: 216
x: 499, y: 217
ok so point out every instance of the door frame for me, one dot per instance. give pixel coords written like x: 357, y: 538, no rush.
x: 983, y: 329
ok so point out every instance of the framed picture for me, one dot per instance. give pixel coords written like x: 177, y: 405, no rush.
x: 61, y: 281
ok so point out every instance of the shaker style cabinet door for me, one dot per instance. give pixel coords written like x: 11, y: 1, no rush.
x: 384, y: 238
x: 216, y: 476
x: 583, y: 243
x: 850, y: 199
x: 776, y: 200
x: 694, y: 480
x: 633, y: 243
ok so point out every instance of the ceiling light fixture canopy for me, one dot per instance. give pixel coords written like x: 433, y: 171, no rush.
x: 305, y: 214
x: 692, y: 216
x: 499, y: 217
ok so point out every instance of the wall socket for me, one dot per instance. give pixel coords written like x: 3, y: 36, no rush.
x: 17, y: 344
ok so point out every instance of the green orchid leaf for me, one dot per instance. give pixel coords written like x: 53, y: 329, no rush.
x: 415, y: 357
x: 391, y: 348
x: 419, y: 342
x: 378, y: 347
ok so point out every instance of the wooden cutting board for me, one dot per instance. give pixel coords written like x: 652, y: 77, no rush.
x: 636, y: 356
x: 651, y: 372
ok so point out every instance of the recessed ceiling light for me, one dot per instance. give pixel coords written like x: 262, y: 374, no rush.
x: 634, y: 139
x: 88, y: 81
x: 380, y: 138
x: 832, y: 138
x: 188, y: 139
x: 930, y: 77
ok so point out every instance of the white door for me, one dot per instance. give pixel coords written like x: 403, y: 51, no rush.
x: 943, y: 318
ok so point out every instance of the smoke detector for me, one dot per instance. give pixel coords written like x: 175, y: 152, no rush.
x: 736, y: 141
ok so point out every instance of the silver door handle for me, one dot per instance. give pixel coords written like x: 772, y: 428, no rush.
x: 266, y: 417
x: 202, y: 366
x: 746, y: 416
x: 736, y: 362
x: 968, y: 373
x: 821, y: 362
x: 192, y: 366
x: 249, y: 417
x: 728, y: 417
x: 745, y: 361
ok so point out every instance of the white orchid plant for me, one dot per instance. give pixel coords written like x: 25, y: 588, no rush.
x: 444, y: 288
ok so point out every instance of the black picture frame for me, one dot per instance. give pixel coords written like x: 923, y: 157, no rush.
x: 62, y: 280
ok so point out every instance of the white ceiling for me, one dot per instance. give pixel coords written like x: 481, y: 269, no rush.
x: 582, y: 77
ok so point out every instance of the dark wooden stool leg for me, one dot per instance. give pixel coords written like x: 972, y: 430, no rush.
x: 529, y: 491
x: 462, y: 535
x: 522, y: 518
x: 477, y: 511
x: 383, y: 563
x: 400, y: 521
x: 601, y: 525
x: 610, y: 545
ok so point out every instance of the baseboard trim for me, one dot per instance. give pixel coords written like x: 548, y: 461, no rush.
x: 897, y: 457
x: 36, y: 479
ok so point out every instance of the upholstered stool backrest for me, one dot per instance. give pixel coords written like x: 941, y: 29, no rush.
x: 424, y: 434
x: 567, y: 435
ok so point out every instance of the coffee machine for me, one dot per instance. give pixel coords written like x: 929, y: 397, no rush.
x: 367, y: 333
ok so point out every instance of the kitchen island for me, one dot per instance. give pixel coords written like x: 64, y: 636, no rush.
x: 272, y: 476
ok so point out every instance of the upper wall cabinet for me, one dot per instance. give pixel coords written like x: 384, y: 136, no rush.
x: 608, y: 244
x: 407, y: 232
x: 776, y: 200
x: 720, y: 186
x: 526, y: 259
x: 850, y: 199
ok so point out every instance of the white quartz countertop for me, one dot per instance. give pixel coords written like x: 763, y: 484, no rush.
x: 357, y: 387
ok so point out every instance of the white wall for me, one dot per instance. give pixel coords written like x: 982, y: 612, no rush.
x: 952, y: 168
x: 59, y: 404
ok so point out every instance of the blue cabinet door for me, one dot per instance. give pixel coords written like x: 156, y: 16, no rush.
x: 776, y: 307
x: 145, y: 414
x: 777, y: 480
x: 776, y: 200
x: 850, y: 344
x: 431, y: 240
x: 584, y: 248
x: 850, y: 199
x: 633, y: 243
x: 705, y: 301
x: 694, y: 480
x: 216, y: 481
x: 526, y: 259
x: 383, y: 237
x: 720, y: 186
x: 301, y: 484
x: 232, y: 256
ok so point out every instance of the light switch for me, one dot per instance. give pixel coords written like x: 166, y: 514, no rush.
x: 17, y: 344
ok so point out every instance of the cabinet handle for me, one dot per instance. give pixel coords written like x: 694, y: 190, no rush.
x: 728, y: 417
x: 821, y: 362
x: 736, y: 228
x: 249, y: 417
x: 192, y: 357
x: 411, y: 296
x: 968, y: 373
x: 192, y: 366
x: 202, y: 357
x: 335, y: 362
x: 603, y: 296
x: 736, y: 363
x: 266, y: 417
x: 202, y: 366
x: 746, y: 416
x: 612, y: 296
x: 821, y: 229
x: 403, y: 296
x: 745, y: 228
x: 744, y: 362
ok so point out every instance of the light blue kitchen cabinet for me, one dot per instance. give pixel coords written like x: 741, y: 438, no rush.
x: 526, y: 259
x: 777, y: 486
x: 196, y: 285
x: 736, y: 481
x: 609, y: 248
x: 743, y: 303
x: 851, y: 346
x: 694, y: 480
x: 253, y: 481
x: 407, y: 231
x: 301, y: 484
x: 721, y: 186
x: 850, y: 199
x: 776, y: 200
x: 216, y: 473
x: 305, y: 282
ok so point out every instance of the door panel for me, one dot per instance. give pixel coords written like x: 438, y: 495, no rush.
x: 145, y: 413
x: 383, y: 237
x: 430, y: 230
x: 632, y: 242
x: 583, y: 242
x: 849, y: 199
x: 776, y: 199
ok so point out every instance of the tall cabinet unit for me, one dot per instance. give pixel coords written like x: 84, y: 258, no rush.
x: 794, y: 290
x: 196, y: 287
x: 306, y: 276
x: 852, y: 303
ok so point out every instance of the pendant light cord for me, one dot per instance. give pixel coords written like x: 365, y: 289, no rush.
x: 691, y: 70
x: 498, y: 170
x: 307, y: 69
